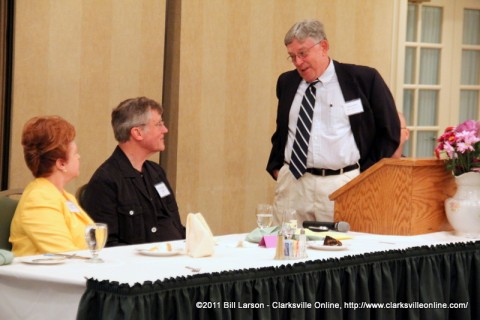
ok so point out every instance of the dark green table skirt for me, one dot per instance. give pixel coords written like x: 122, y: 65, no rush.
x: 438, y: 282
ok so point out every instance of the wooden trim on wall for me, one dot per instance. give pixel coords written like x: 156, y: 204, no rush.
x: 171, y: 75
x: 6, y: 68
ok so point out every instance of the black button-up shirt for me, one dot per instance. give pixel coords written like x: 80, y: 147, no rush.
x: 129, y: 203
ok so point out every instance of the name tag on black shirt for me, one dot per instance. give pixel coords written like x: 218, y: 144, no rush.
x: 162, y: 190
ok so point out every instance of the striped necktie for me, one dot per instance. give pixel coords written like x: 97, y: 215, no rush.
x: 298, y: 159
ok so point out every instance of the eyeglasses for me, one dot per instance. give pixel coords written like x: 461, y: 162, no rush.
x: 159, y: 124
x: 302, y: 55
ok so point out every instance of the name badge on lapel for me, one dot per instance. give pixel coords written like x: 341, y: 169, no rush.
x: 353, y: 107
x: 72, y: 207
x: 162, y: 189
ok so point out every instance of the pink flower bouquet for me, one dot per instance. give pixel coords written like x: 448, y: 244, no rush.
x: 460, y: 147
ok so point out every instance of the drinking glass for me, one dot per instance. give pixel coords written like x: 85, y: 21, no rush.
x: 264, y: 216
x: 289, y: 221
x: 96, y: 237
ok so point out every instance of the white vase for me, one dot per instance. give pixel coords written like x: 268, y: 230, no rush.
x: 463, y: 209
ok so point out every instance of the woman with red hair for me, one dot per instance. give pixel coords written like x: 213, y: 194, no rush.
x: 48, y: 219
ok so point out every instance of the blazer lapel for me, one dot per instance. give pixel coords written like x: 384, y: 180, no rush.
x: 346, y: 82
x: 286, y: 93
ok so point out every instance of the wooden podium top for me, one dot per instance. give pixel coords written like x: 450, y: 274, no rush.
x: 400, y: 162
x: 397, y: 196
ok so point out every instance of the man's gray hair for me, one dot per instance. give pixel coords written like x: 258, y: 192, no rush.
x: 306, y: 29
x: 132, y: 113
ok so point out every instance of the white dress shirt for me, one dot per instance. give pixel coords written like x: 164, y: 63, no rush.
x: 332, y: 145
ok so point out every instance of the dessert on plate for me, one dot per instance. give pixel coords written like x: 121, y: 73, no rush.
x: 330, y: 241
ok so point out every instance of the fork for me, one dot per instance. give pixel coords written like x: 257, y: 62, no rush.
x: 68, y: 256
x: 193, y: 269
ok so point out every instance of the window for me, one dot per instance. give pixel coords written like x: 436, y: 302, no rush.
x: 470, y: 68
x: 441, y: 71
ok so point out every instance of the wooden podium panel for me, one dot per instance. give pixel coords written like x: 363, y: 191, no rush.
x: 397, y: 197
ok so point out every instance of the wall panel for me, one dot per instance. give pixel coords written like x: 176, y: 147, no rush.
x: 79, y: 59
x: 230, y: 56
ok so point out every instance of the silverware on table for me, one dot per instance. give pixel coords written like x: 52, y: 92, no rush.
x: 48, y: 259
x: 193, y: 269
x: 68, y: 256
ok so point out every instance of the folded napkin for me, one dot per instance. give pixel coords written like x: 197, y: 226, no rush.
x: 256, y: 235
x: 6, y: 257
x: 199, y: 239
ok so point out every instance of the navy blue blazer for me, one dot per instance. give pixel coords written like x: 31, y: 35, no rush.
x: 376, y: 130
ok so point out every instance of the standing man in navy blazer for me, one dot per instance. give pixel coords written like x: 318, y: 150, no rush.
x: 354, y: 124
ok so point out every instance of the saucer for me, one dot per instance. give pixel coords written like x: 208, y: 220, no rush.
x: 321, y: 246
x: 158, y: 253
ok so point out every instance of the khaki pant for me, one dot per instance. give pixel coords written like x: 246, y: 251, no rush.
x: 308, y: 195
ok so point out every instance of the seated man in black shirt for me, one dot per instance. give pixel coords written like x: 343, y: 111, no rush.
x: 128, y: 192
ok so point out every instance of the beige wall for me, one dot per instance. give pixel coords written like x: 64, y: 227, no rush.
x: 231, y: 53
x: 80, y: 58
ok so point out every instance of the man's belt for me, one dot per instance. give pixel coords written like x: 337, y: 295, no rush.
x: 330, y: 172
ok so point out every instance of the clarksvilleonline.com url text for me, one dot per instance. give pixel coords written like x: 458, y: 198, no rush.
x: 330, y: 305
x: 405, y: 305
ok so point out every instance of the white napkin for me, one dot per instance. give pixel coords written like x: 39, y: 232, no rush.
x: 199, y: 240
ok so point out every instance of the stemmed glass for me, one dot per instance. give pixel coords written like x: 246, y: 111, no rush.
x: 289, y: 222
x: 96, y: 236
x: 264, y: 216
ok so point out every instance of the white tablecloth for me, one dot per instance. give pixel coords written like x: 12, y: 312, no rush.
x: 54, y: 291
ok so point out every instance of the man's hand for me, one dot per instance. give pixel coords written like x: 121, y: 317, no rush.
x: 275, y: 174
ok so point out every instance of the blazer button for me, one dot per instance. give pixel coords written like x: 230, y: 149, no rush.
x: 154, y: 230
x: 131, y: 212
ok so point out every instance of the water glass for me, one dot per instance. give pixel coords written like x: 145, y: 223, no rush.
x: 289, y: 221
x: 96, y: 236
x: 264, y: 216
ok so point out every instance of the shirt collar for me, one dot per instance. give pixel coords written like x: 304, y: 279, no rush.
x: 125, y: 165
x: 328, y: 74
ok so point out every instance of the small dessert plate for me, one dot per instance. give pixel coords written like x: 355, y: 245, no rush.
x: 159, y: 253
x: 320, y: 246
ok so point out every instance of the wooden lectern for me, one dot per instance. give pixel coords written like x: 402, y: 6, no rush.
x: 397, y: 197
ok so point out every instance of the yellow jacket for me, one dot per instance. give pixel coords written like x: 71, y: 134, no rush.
x: 47, y: 221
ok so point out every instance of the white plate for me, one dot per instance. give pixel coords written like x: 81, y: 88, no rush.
x: 157, y: 253
x: 321, y: 246
x: 45, y: 261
